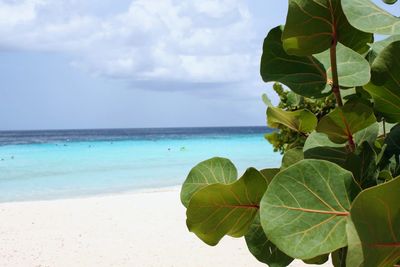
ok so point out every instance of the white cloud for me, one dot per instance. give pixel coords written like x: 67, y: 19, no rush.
x: 13, y: 13
x: 166, y: 40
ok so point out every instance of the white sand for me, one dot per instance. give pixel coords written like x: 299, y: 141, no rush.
x: 138, y: 229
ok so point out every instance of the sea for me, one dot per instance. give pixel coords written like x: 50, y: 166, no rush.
x: 42, y: 165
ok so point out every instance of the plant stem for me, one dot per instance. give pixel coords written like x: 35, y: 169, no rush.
x: 384, y: 127
x: 335, y: 75
x: 336, y: 86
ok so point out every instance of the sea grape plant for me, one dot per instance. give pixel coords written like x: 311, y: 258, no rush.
x: 337, y: 192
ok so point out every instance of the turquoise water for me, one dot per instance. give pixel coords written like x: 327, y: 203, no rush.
x: 70, y: 169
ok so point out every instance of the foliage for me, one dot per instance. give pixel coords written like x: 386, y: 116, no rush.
x: 285, y: 137
x: 337, y: 192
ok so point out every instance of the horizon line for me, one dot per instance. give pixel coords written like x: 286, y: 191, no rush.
x: 131, y: 128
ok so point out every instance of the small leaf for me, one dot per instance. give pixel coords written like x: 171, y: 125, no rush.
x: 302, y: 121
x: 368, y: 17
x: 212, y: 171
x: 219, y: 209
x: 304, y: 75
x: 344, y: 122
x: 266, y: 100
x: 312, y: 25
x: 385, y: 83
x: 291, y: 157
x: 294, y: 99
x: 376, y: 217
x: 305, y: 208
x: 263, y: 249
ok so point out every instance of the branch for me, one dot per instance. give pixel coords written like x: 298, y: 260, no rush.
x: 335, y: 75
x: 335, y: 83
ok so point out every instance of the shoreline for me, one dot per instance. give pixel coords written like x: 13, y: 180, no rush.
x: 146, y: 190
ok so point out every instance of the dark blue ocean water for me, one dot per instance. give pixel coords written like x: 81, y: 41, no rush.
x: 53, y: 136
x: 36, y: 165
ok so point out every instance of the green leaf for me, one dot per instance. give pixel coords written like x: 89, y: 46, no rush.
x: 269, y: 174
x: 393, y: 141
x: 353, y: 69
x: 377, y: 47
x: 212, y: 171
x: 219, y: 209
x: 304, y: 75
x: 318, y: 260
x: 263, y: 249
x: 363, y: 165
x: 337, y: 155
x: 389, y: 2
x: 385, y: 176
x: 294, y: 99
x: 368, y: 17
x: 305, y: 208
x: 316, y: 140
x: 376, y: 217
x: 385, y: 83
x: 339, y: 257
x: 266, y: 100
x: 355, y: 257
x: 312, y: 25
x: 318, y: 146
x: 302, y: 121
x: 369, y: 134
x: 344, y: 122
x: 291, y: 157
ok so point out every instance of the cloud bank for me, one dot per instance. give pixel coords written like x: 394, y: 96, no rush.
x: 179, y: 43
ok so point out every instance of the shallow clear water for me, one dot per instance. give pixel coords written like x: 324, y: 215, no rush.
x: 69, y: 166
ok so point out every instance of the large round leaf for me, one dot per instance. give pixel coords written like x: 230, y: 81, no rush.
x: 312, y: 25
x: 376, y: 217
x: 263, y: 249
x: 212, y: 171
x: 343, y: 122
x: 385, y: 84
x: 355, y: 257
x: 303, y: 121
x: 305, y: 207
x: 368, y: 17
x: 353, y: 69
x: 304, y: 75
x: 218, y: 210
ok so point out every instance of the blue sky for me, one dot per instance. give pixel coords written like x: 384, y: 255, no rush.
x: 133, y: 63
x: 143, y: 63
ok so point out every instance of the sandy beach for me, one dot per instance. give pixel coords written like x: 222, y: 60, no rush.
x: 135, y: 229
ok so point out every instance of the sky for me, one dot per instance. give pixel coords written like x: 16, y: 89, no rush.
x: 74, y: 64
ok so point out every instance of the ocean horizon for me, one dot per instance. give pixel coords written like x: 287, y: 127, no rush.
x: 53, y: 164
